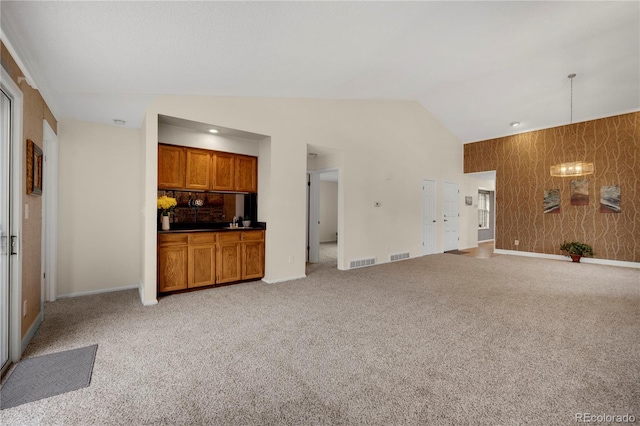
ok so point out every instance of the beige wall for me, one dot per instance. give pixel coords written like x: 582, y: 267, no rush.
x: 99, y: 233
x: 375, y: 138
x: 522, y: 164
x: 35, y: 110
x: 328, y: 211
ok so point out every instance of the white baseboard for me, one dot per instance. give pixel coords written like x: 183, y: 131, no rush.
x: 100, y: 291
x: 32, y: 332
x: 635, y: 265
x: 281, y: 280
x: 150, y: 302
x: 329, y: 241
x: 485, y: 241
x: 468, y: 247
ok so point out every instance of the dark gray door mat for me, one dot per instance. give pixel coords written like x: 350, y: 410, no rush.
x: 48, y: 375
x: 456, y: 252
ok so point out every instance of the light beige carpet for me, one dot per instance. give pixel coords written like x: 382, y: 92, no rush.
x: 431, y: 341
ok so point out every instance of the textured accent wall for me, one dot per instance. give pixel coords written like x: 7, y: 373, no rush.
x: 34, y: 111
x: 522, y: 165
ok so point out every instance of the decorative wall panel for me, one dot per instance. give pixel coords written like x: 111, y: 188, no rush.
x: 522, y: 163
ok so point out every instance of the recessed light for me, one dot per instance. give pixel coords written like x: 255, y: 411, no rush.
x: 119, y: 122
x: 213, y: 130
x: 515, y: 124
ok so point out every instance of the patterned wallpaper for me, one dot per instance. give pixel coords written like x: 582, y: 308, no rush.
x: 522, y: 164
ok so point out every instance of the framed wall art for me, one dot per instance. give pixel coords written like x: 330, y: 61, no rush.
x: 610, y: 199
x: 580, y: 192
x: 34, y: 168
x: 551, y: 203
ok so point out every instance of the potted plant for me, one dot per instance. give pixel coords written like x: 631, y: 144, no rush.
x: 166, y: 205
x: 575, y: 250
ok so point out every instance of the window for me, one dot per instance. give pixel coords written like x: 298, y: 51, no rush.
x: 483, y: 209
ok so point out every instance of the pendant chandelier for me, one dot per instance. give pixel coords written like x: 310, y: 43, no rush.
x: 576, y: 168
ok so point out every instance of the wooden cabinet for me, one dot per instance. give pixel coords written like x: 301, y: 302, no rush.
x: 202, y: 259
x: 198, y: 259
x: 171, y: 167
x: 203, y: 170
x: 172, y: 262
x: 252, y: 254
x: 223, y: 171
x: 229, y: 257
x: 198, y: 170
x: 246, y: 173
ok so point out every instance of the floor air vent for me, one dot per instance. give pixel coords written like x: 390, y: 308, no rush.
x: 399, y: 256
x: 362, y: 262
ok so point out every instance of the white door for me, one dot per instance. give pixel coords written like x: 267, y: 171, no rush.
x: 428, y: 217
x: 313, y: 244
x: 5, y: 139
x: 450, y: 200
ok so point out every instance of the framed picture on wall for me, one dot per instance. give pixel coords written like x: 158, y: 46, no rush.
x: 34, y: 168
x: 468, y: 201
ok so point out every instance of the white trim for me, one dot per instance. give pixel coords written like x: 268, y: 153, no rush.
x: 23, y: 68
x: 141, y: 292
x: 50, y: 213
x: 607, y: 262
x: 15, y: 284
x: 485, y: 241
x: 100, y: 291
x: 281, y: 280
x: 468, y: 247
x: 31, y: 332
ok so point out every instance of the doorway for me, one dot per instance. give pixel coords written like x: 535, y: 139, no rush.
x: 429, y: 221
x: 10, y: 224
x: 323, y: 236
x: 451, y: 216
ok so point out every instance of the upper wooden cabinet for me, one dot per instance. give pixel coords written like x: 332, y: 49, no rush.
x: 246, y: 175
x: 200, y: 169
x: 198, y: 174
x: 223, y: 171
x: 171, y: 167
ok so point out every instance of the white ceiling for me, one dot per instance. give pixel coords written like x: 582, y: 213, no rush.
x: 477, y: 66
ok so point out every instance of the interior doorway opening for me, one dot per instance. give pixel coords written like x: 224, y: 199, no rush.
x: 324, y: 207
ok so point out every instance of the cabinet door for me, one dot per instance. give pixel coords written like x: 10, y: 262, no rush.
x: 246, y: 173
x: 253, y: 260
x: 202, y: 265
x: 172, y: 268
x: 171, y: 165
x: 223, y: 171
x: 198, y: 169
x: 228, y: 259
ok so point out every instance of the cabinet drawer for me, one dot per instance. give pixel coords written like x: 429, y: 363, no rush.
x: 229, y: 237
x: 173, y: 239
x: 202, y: 238
x: 253, y: 235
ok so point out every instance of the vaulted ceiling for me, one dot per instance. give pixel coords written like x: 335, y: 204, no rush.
x: 476, y: 66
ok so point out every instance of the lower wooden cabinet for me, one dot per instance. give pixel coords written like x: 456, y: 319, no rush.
x: 190, y: 260
x: 229, y: 257
x: 202, y: 259
x: 172, y: 262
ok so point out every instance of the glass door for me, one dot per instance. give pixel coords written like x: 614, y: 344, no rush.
x: 5, y: 252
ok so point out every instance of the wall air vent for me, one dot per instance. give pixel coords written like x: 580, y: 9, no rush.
x: 362, y: 262
x: 399, y: 256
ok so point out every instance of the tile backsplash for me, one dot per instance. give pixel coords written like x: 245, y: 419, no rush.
x: 217, y: 207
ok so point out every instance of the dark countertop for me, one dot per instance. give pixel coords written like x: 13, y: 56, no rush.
x: 210, y: 227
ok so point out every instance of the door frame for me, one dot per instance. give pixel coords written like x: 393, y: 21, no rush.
x: 435, y: 209
x: 444, y: 240
x: 15, y: 279
x: 313, y: 230
x: 49, y: 216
